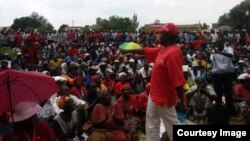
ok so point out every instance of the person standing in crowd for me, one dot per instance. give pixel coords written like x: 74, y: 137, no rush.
x: 223, y: 74
x: 167, y: 82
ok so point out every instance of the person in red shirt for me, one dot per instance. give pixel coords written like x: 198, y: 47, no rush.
x: 120, y: 84
x: 129, y: 105
x: 167, y: 82
x: 108, y: 82
x: 143, y: 103
x: 78, y: 90
x: 242, y: 95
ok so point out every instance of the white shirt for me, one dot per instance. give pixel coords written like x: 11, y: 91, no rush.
x: 221, y: 63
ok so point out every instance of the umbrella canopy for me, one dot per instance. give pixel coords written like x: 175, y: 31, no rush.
x: 130, y: 46
x: 17, y: 86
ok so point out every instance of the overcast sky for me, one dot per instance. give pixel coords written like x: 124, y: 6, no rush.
x: 85, y: 12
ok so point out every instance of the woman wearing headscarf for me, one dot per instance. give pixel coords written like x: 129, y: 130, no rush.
x: 107, y: 119
x: 65, y: 123
x: 78, y: 89
x: 129, y: 106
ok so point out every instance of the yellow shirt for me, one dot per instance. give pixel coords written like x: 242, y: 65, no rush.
x: 55, y: 64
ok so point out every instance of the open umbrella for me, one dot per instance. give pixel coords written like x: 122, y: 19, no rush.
x: 130, y: 46
x: 17, y: 86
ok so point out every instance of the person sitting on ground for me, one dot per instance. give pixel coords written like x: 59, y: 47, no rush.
x: 78, y: 89
x: 242, y: 95
x: 198, y: 100
x: 129, y: 105
x: 65, y: 123
x: 107, y: 119
x: 101, y: 88
x: 122, y: 81
x: 142, y: 104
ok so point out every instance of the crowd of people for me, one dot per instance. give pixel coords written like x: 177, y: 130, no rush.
x: 103, y: 93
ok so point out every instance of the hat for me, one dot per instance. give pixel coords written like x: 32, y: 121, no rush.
x: 195, y: 64
x: 241, y: 61
x: 124, y: 86
x: 131, y: 60
x: 25, y: 110
x: 93, y: 67
x: 116, y: 60
x: 59, y: 79
x: 68, y: 59
x: 243, y: 76
x: 102, y: 63
x: 186, y: 68
x: 168, y: 28
x: 104, y: 59
x: 122, y: 74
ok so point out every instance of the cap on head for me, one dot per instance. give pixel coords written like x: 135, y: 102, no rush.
x: 168, y: 28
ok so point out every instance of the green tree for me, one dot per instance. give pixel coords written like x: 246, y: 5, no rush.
x: 135, y: 23
x: 114, y: 23
x: 31, y: 22
x: 205, y: 26
x: 157, y: 21
x: 238, y: 17
x: 85, y: 29
x: 63, y: 27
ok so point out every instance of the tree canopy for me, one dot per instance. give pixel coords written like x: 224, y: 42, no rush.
x: 34, y: 21
x: 63, y: 27
x: 238, y: 17
x: 117, y: 23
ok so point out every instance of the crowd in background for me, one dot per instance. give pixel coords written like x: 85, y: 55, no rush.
x: 104, y: 92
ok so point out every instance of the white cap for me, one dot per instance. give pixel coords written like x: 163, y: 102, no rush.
x: 186, y: 68
x: 131, y: 60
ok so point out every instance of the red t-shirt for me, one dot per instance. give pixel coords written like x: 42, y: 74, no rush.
x: 242, y: 91
x: 118, y: 88
x: 131, y: 105
x: 166, y: 75
x: 143, y: 101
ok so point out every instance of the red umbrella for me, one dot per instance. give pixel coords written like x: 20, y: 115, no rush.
x: 17, y: 86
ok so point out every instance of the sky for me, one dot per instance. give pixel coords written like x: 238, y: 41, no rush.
x: 85, y: 12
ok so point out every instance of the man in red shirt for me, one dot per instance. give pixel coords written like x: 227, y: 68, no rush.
x: 167, y: 81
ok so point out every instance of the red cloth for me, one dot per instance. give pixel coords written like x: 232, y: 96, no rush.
x: 110, y: 84
x: 131, y: 105
x: 118, y: 88
x: 79, y: 93
x: 143, y: 101
x: 74, y: 51
x: 30, y: 54
x: 166, y: 74
x: 101, y: 113
x: 42, y: 132
x: 241, y: 91
x: 71, y: 36
x: 197, y: 44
